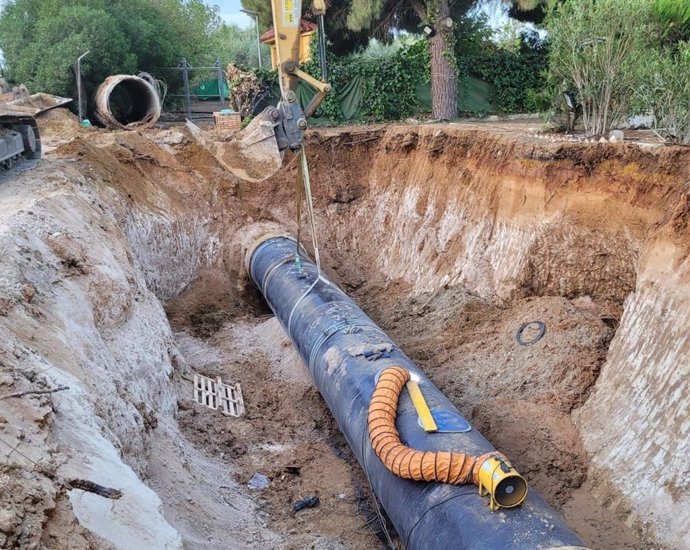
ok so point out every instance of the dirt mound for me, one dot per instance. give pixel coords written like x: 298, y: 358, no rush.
x: 470, y: 348
x: 59, y: 124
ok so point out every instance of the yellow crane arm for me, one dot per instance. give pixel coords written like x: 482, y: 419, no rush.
x: 287, y: 17
x: 256, y: 153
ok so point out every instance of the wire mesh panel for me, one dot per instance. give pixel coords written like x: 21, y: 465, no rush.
x: 194, y: 92
x: 216, y: 395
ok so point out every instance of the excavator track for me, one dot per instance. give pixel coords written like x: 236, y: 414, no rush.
x: 20, y: 140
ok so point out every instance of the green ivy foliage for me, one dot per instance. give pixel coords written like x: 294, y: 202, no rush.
x: 387, y: 80
x: 514, y: 66
x: 389, y: 93
x: 516, y: 74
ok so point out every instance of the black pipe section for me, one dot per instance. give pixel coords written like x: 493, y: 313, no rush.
x: 344, y: 350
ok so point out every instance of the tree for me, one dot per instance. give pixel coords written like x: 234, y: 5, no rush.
x: 383, y: 15
x: 595, y: 47
x: 238, y: 46
x: 41, y: 39
x: 532, y: 11
x: 665, y: 89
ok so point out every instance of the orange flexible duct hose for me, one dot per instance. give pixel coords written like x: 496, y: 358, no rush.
x: 443, y: 466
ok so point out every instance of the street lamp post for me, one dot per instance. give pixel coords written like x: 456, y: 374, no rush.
x: 254, y: 15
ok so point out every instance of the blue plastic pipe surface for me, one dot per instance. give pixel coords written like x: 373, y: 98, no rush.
x: 344, y: 350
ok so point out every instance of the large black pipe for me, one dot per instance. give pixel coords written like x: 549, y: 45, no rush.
x: 334, y: 337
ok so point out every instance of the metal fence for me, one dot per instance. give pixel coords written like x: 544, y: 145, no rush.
x: 190, y: 91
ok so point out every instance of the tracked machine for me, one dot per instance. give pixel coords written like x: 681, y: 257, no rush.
x: 19, y: 138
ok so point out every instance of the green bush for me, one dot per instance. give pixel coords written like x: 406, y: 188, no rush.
x: 513, y: 62
x: 595, y: 49
x: 665, y: 90
x: 385, y: 78
x: 41, y: 39
x: 516, y: 73
x: 674, y: 15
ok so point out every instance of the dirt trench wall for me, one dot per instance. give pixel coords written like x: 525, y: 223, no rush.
x: 636, y: 424
x: 161, y: 204
x: 506, y: 219
x: 97, y: 238
x: 75, y: 310
x: 491, y: 215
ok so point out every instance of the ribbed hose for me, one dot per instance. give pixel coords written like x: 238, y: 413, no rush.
x: 442, y: 466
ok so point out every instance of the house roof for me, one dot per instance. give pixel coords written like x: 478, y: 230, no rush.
x: 305, y: 26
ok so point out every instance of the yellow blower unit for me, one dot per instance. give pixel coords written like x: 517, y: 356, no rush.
x: 491, y: 472
x: 498, y: 479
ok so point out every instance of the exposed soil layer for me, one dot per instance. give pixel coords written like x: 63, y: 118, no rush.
x: 450, y: 238
x: 286, y: 434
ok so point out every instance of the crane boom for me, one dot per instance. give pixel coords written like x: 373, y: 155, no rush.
x: 256, y: 153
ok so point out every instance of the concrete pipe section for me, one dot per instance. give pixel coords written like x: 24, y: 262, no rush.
x: 345, y: 352
x: 127, y: 102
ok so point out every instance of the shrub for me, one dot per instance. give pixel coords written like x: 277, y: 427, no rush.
x: 665, y: 90
x: 595, y: 48
x: 385, y: 79
x: 674, y: 15
x: 511, y: 59
x: 515, y: 70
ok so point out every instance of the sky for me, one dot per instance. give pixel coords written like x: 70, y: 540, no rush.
x: 230, y: 12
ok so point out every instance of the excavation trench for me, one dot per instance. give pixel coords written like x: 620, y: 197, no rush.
x: 125, y: 274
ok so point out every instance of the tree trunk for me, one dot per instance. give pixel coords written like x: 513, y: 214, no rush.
x: 444, y: 78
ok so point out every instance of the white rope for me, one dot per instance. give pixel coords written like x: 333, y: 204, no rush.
x: 310, y: 208
x: 314, y: 238
x: 298, y: 302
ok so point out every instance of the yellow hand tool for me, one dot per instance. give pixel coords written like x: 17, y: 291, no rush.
x: 425, y: 417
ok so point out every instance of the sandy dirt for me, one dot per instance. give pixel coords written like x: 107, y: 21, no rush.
x: 182, y: 213
x: 286, y: 434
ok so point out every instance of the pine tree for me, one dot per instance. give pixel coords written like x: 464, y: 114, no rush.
x: 438, y: 16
